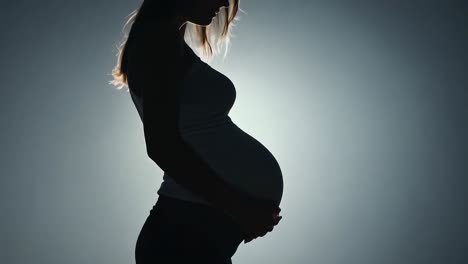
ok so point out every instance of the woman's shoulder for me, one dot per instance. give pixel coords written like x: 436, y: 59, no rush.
x: 147, y: 46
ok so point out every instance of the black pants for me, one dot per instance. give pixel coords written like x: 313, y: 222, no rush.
x: 178, y: 231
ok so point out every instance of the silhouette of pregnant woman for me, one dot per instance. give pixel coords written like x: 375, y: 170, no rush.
x: 220, y: 185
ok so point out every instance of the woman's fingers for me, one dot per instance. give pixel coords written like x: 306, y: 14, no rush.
x: 277, y: 218
x: 261, y: 233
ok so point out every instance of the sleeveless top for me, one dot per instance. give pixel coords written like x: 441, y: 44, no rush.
x: 206, y: 98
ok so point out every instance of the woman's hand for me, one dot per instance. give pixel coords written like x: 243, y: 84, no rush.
x: 255, y: 216
x: 276, y: 217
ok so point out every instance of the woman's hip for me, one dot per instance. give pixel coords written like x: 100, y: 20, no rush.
x: 181, y: 227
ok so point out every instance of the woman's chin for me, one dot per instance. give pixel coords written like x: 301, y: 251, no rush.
x: 206, y: 22
x: 211, y: 21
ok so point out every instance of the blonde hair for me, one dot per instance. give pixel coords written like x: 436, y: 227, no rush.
x: 203, y: 35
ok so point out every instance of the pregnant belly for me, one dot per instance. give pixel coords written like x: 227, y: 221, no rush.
x: 239, y: 159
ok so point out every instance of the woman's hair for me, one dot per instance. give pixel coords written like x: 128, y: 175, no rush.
x: 203, y: 35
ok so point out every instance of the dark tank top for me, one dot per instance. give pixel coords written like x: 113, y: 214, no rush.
x: 204, y: 123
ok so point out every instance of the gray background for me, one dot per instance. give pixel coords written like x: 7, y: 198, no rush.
x: 363, y: 103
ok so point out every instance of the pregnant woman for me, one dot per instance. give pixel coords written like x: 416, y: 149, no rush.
x: 220, y: 185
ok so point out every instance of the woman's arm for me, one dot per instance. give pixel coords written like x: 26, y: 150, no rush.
x: 156, y: 69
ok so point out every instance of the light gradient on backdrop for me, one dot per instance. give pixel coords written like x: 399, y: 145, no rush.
x: 363, y: 104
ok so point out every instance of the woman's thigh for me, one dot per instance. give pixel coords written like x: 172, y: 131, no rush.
x: 183, y: 232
